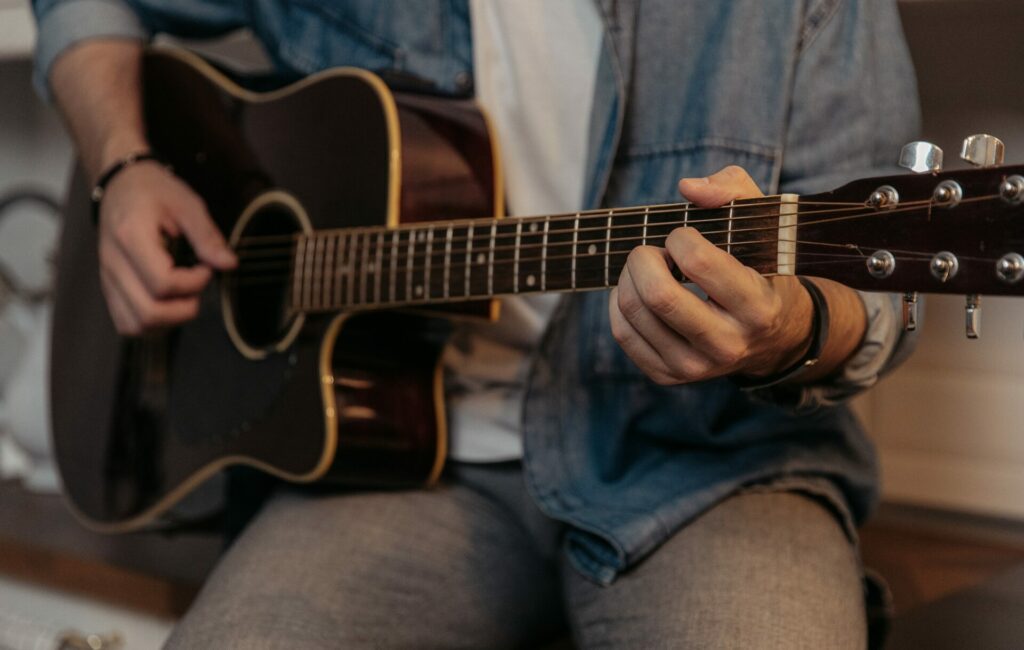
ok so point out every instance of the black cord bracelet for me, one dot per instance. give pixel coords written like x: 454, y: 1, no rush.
x: 100, y: 188
x: 819, y: 336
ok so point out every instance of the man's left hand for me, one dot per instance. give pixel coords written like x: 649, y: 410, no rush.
x: 749, y: 324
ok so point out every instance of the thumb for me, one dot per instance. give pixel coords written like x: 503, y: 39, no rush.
x: 205, y: 238
x: 721, y: 187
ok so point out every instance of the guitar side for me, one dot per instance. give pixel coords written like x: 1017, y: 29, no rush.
x: 354, y: 399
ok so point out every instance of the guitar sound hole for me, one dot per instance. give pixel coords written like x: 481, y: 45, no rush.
x: 258, y: 291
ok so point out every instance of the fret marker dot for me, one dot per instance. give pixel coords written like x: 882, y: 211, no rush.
x: 592, y: 249
x: 530, y: 280
x: 533, y: 226
x: 481, y: 258
x: 419, y: 290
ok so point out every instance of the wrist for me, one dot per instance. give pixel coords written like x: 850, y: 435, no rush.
x: 805, y: 356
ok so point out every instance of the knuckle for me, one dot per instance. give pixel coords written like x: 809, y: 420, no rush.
x: 660, y: 300
x: 697, y: 263
x: 662, y: 379
x: 687, y: 368
x: 630, y: 305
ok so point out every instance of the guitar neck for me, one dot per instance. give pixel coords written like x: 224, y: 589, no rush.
x: 449, y: 261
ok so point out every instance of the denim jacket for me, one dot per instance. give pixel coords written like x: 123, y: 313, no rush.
x: 804, y: 94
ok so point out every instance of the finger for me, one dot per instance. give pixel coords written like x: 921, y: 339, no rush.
x: 142, y: 244
x: 738, y: 289
x: 147, y: 311
x: 635, y: 347
x: 720, y: 188
x: 122, y: 316
x: 206, y: 239
x: 711, y: 332
x: 675, y: 350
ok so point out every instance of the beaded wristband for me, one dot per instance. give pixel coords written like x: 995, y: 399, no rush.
x: 819, y: 336
x: 101, y: 185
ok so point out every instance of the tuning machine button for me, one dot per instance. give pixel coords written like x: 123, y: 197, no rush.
x: 948, y: 194
x: 983, y: 150
x: 944, y: 266
x: 1012, y: 189
x: 921, y: 157
x: 885, y: 196
x: 973, y: 316
x: 1010, y: 268
x: 910, y: 311
x: 881, y: 264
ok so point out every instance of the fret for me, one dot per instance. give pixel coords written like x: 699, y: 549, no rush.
x: 506, y: 256
x: 364, y: 267
x: 353, y: 240
x: 531, y: 256
x: 427, y: 262
x: 477, y: 276
x: 591, y: 251
x: 490, y: 259
x: 318, y: 259
x: 328, y: 269
x: 755, y: 243
x: 515, y: 266
x: 559, y: 259
x: 378, y: 267
x: 630, y: 230
x: 395, y: 234
x: 575, y: 239
x: 447, y: 259
x: 607, y: 248
x: 410, y: 256
x: 728, y: 235
x: 340, y: 245
x: 298, y: 255
x: 544, y: 256
x: 307, y: 288
x: 469, y: 258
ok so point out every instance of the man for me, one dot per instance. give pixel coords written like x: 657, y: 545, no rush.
x: 683, y: 511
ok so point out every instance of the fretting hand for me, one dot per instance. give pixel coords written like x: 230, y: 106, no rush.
x: 749, y: 324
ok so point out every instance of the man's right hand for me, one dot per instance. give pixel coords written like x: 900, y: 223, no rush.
x: 145, y: 206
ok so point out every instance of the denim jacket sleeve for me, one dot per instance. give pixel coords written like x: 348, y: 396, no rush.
x: 64, y: 23
x: 854, y: 102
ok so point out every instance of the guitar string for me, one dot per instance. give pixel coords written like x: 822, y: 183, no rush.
x: 285, y: 262
x: 583, y: 215
x: 504, y: 234
x: 428, y: 299
x: 284, y: 257
x: 583, y: 275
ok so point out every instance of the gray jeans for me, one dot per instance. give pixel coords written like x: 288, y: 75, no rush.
x: 475, y: 564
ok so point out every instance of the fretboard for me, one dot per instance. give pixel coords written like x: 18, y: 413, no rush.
x: 447, y: 261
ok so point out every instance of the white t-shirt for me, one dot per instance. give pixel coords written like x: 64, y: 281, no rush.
x: 535, y: 65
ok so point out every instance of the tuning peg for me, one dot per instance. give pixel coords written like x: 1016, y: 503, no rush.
x: 921, y: 157
x: 983, y: 150
x: 910, y: 311
x: 973, y: 311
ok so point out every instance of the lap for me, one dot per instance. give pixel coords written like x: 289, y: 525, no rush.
x: 438, y: 568
x: 760, y: 570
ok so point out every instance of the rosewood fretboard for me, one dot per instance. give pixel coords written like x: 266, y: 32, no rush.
x: 446, y: 261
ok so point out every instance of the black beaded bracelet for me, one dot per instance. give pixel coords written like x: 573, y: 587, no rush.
x: 101, y: 185
x: 819, y: 336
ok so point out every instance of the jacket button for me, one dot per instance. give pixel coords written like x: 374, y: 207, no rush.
x: 463, y: 80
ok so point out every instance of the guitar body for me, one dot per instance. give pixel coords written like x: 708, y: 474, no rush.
x: 357, y: 397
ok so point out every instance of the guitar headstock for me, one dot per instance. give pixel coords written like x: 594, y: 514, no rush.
x: 958, y: 232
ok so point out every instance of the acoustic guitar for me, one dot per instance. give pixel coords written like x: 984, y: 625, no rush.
x: 364, y: 221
